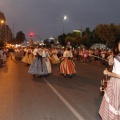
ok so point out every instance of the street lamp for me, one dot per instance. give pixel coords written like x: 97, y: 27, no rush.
x: 64, y: 19
x: 2, y: 21
x: 1, y: 27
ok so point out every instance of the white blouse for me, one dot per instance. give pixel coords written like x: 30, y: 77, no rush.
x: 43, y: 54
x: 67, y: 54
x: 116, y: 67
x: 35, y: 51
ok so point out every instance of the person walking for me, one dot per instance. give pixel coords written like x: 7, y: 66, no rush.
x: 67, y: 66
x: 38, y: 66
x: 110, y: 106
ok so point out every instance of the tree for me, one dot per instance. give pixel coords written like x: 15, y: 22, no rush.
x: 1, y: 43
x: 108, y: 33
x: 20, y: 37
x: 77, y: 41
x: 70, y: 40
x: 52, y: 42
x: 46, y: 41
x: 48, y: 44
x: 87, y: 31
x: 94, y: 38
x: 85, y: 40
x: 61, y: 39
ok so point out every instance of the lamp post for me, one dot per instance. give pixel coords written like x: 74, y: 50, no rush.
x: 64, y: 18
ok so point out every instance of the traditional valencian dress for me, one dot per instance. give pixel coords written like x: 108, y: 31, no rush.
x: 25, y: 59
x: 54, y: 57
x: 67, y: 66
x: 110, y: 106
x: 38, y: 66
x: 48, y: 64
x: 31, y: 56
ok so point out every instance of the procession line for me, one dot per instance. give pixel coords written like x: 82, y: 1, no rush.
x: 78, y: 116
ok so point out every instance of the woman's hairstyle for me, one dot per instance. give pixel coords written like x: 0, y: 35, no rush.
x: 119, y: 42
x: 68, y: 48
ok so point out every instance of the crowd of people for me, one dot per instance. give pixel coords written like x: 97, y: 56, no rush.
x: 65, y: 57
x: 3, y: 56
x: 41, y: 58
x: 83, y: 55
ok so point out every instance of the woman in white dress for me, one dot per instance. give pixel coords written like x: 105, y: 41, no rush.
x: 48, y: 63
x: 25, y: 59
x: 31, y: 56
x: 110, y: 106
x: 38, y: 66
x: 54, y: 57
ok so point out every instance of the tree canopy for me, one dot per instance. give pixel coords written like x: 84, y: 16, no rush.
x: 109, y: 33
x: 20, y: 37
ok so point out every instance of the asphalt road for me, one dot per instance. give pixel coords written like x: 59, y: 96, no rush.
x: 52, y: 97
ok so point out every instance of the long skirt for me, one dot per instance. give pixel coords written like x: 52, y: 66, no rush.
x: 48, y: 65
x: 110, y: 106
x: 30, y: 58
x: 55, y: 59
x: 38, y: 67
x: 67, y: 67
x: 25, y: 59
x: 4, y: 58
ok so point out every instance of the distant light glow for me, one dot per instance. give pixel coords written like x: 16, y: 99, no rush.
x: 76, y: 31
x: 51, y: 38
x: 2, y: 21
x: 31, y: 34
x: 65, y: 17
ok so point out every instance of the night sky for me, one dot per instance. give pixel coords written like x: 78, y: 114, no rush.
x: 45, y: 17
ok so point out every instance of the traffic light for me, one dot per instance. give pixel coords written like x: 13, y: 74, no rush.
x: 31, y: 34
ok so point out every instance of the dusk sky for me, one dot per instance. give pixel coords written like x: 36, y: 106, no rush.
x: 45, y: 17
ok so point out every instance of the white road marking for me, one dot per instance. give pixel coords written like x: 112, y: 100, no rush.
x: 65, y: 101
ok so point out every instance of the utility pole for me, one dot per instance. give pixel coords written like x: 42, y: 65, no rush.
x: 13, y: 30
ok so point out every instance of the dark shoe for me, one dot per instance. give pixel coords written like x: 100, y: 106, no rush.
x: 33, y: 75
x: 64, y: 75
x: 70, y: 76
x: 46, y: 75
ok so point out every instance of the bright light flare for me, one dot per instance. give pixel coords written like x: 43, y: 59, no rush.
x: 65, y: 17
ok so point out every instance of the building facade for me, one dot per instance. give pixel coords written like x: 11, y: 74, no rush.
x: 5, y: 31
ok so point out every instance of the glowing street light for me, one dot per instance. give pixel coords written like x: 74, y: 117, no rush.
x: 2, y: 21
x: 1, y: 27
x: 65, y: 17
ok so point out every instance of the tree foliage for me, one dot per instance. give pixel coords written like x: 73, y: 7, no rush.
x: 70, y: 39
x: 85, y: 40
x: 20, y: 37
x: 108, y: 33
x: 61, y: 39
x: 1, y: 43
